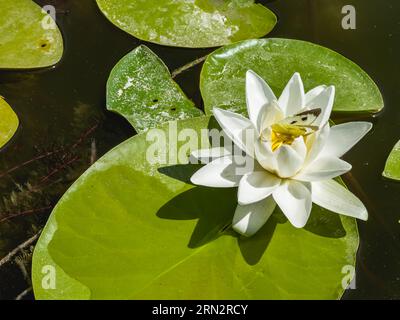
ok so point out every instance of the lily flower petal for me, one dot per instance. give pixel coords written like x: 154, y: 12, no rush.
x: 237, y: 128
x: 344, y: 136
x: 290, y: 158
x: 292, y: 99
x: 258, y: 96
x: 256, y: 185
x: 250, y: 218
x: 265, y: 156
x: 323, y: 168
x: 220, y: 173
x: 285, y: 161
x: 334, y: 197
x: 315, y: 143
x: 270, y: 114
x: 294, y: 199
x: 207, y: 155
x: 313, y: 93
x: 324, y: 101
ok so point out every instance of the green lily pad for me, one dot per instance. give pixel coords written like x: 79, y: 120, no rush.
x: 29, y: 38
x: 8, y: 122
x: 276, y: 60
x: 194, y: 23
x: 392, y: 167
x: 141, y: 89
x: 133, y: 229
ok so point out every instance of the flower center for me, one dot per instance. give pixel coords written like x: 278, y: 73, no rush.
x: 287, y: 130
x: 283, y: 134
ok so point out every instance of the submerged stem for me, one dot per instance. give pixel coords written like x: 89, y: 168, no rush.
x: 187, y: 66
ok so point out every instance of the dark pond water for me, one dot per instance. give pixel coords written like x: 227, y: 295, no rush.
x: 65, y: 127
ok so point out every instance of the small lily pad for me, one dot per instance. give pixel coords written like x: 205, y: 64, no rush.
x: 29, y: 38
x: 134, y: 229
x: 8, y: 122
x: 276, y: 60
x: 194, y: 23
x: 141, y: 89
x: 392, y: 167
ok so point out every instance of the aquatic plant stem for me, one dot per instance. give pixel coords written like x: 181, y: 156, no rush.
x: 51, y: 153
x: 24, y: 213
x: 23, y: 293
x: 188, y: 66
x: 19, y: 248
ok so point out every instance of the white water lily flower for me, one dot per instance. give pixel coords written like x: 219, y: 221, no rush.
x: 294, y: 164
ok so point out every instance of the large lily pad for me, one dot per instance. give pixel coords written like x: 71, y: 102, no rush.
x: 392, y: 167
x: 141, y: 89
x: 275, y: 60
x: 129, y: 229
x: 8, y: 122
x: 193, y: 23
x: 28, y: 36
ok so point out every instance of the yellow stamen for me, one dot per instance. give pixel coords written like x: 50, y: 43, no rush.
x: 285, y: 134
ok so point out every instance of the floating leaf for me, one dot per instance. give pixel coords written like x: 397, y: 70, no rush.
x: 392, y: 167
x: 129, y: 229
x: 29, y: 38
x: 194, y: 23
x: 141, y: 89
x: 275, y: 60
x: 8, y: 122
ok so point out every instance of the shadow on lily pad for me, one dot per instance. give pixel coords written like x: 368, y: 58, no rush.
x: 214, y: 208
x: 324, y: 223
x: 181, y: 172
x: 253, y: 248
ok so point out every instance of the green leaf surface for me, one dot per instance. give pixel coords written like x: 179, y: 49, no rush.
x: 190, y: 23
x: 392, y: 167
x: 8, y: 122
x: 276, y: 60
x: 130, y: 229
x: 29, y: 38
x: 141, y: 89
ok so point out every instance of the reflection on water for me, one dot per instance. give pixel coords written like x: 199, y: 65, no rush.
x: 65, y: 126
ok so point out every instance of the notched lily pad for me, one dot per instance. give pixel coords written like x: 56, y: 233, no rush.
x: 276, y: 60
x: 8, y: 122
x: 141, y: 89
x: 130, y: 229
x: 193, y: 23
x: 392, y: 167
x: 29, y: 38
